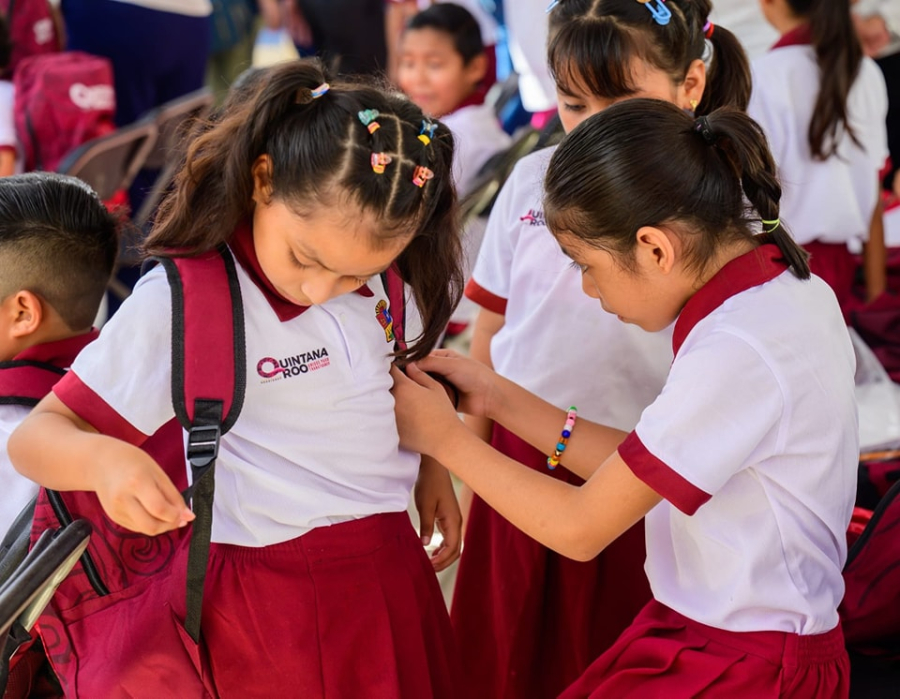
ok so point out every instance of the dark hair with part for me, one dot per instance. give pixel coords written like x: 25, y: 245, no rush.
x: 647, y: 163
x: 455, y: 21
x: 320, y: 153
x: 839, y: 55
x: 593, y: 44
x: 57, y: 240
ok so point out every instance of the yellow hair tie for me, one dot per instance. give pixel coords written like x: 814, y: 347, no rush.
x: 772, y: 225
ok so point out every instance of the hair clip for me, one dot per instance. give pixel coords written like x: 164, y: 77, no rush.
x: 379, y: 161
x: 427, y: 131
x: 701, y: 126
x: 320, y: 90
x: 368, y: 117
x: 772, y: 225
x: 421, y: 175
x: 551, y: 6
x: 661, y: 13
x: 708, y: 29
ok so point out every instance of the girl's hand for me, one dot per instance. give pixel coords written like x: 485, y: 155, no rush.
x: 473, y: 380
x: 425, y: 415
x: 136, y: 493
x: 436, y: 502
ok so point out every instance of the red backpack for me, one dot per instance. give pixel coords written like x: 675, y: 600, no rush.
x: 131, y: 594
x: 62, y: 101
x: 32, y: 29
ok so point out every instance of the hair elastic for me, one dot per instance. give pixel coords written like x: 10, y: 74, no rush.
x: 320, y: 90
x: 708, y: 29
x: 379, y: 161
x: 772, y: 225
x: 571, y: 417
x: 551, y: 6
x: 661, y: 13
x: 426, y: 133
x: 421, y: 175
x: 701, y: 126
x: 368, y: 117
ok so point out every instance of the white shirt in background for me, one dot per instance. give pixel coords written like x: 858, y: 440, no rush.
x: 191, y: 8
x: 745, y: 19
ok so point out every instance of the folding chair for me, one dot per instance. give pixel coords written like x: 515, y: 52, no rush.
x: 172, y: 120
x: 27, y: 592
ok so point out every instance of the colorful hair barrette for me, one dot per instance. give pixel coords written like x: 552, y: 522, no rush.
x: 426, y: 133
x: 368, y: 117
x: 551, y: 6
x: 379, y: 161
x: 320, y: 90
x: 421, y: 175
x: 661, y: 13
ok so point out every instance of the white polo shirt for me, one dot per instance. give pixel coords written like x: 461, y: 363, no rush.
x: 754, y: 445
x: 477, y: 136
x: 831, y: 201
x: 746, y: 21
x: 17, y: 490
x: 558, y: 342
x: 316, y: 442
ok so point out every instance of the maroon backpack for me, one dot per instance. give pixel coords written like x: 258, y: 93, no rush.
x: 62, y: 101
x: 133, y: 594
x: 32, y: 29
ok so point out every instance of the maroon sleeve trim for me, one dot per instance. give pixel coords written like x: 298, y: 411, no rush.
x: 91, y: 408
x: 672, y: 486
x: 485, y: 299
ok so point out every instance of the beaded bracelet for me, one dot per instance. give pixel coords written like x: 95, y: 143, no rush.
x: 571, y: 416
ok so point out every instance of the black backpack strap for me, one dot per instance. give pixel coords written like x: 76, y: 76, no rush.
x: 26, y: 382
x: 208, y: 386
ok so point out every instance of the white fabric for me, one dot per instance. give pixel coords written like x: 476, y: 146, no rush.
x: 745, y: 19
x: 16, y: 489
x: 315, y: 448
x: 477, y: 136
x: 833, y: 200
x: 892, y: 227
x: 486, y: 22
x: 7, y: 121
x: 759, y: 412
x: 527, y: 29
x: 191, y: 8
x: 557, y: 342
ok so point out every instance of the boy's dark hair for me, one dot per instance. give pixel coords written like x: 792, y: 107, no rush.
x: 593, y: 42
x: 648, y: 163
x: 456, y: 21
x: 57, y: 240
x: 321, y: 155
x: 839, y: 55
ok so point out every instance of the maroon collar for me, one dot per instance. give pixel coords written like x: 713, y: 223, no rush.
x: 241, y: 244
x: 474, y: 99
x: 60, y: 353
x: 751, y: 269
x: 800, y: 36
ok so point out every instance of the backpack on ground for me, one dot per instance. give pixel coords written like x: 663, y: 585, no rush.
x: 62, y: 100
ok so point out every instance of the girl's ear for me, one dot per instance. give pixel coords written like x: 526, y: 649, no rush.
x: 27, y: 313
x: 657, y: 250
x: 476, y: 69
x: 691, y: 90
x: 262, y: 179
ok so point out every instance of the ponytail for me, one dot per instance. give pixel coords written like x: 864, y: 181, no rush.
x: 728, y: 82
x: 839, y: 55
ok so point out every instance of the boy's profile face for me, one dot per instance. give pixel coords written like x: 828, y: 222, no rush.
x: 433, y: 75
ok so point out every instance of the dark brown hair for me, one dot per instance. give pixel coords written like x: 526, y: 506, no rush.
x: 647, y: 163
x: 839, y: 55
x: 320, y: 154
x: 57, y: 240
x: 593, y: 43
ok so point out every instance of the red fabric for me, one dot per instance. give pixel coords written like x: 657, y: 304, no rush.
x: 858, y: 521
x: 32, y: 31
x: 19, y: 379
x: 60, y: 353
x: 801, y: 36
x: 658, y: 475
x: 484, y: 298
x: 665, y: 654
x: 81, y: 400
x: 528, y: 621
x: 834, y: 263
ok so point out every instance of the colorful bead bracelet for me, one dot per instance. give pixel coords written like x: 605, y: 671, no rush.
x: 571, y: 416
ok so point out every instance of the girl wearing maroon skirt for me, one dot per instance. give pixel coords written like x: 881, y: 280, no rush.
x: 317, y: 585
x: 743, y: 468
x: 524, y: 616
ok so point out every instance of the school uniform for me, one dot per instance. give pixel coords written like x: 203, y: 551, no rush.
x: 826, y: 205
x: 528, y: 620
x: 754, y: 444
x: 17, y: 490
x: 316, y: 579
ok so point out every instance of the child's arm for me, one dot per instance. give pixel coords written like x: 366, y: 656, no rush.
x: 436, y: 503
x: 7, y: 162
x: 875, y: 253
x: 578, y: 522
x: 59, y: 450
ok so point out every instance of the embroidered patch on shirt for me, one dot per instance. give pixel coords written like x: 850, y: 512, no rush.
x: 385, y: 320
x: 534, y: 217
x: 271, y: 369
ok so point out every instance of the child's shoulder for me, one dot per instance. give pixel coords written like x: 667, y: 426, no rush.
x: 528, y: 174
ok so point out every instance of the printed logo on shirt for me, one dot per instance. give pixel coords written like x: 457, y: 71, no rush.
x: 96, y: 97
x: 271, y: 369
x: 43, y: 31
x: 534, y: 217
x: 385, y: 320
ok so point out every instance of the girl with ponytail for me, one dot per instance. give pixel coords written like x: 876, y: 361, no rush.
x: 823, y: 106
x: 319, y: 192
x: 743, y: 468
x: 518, y: 608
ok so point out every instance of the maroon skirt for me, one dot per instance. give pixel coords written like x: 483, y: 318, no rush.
x: 835, y: 264
x: 665, y: 654
x: 528, y: 621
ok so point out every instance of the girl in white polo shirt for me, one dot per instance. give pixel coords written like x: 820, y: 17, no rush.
x: 518, y: 609
x: 744, y: 467
x: 823, y: 106
x: 317, y: 584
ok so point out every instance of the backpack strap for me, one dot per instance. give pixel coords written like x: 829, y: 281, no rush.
x: 396, y: 293
x: 26, y: 382
x: 208, y: 385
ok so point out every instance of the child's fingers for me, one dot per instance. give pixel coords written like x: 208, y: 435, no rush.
x: 445, y: 353
x: 134, y: 516
x: 426, y: 526
x: 420, y: 377
x: 162, y: 501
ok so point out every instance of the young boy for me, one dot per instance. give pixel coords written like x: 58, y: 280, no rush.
x: 58, y: 245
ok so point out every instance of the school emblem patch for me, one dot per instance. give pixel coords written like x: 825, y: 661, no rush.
x: 384, y: 319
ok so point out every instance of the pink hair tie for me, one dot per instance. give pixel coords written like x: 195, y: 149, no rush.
x: 708, y: 29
